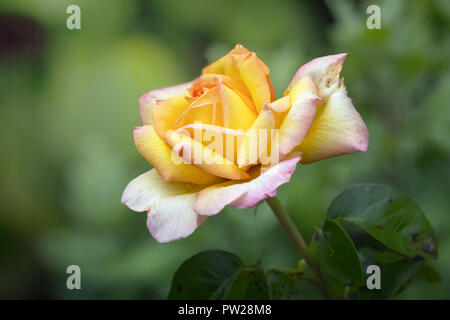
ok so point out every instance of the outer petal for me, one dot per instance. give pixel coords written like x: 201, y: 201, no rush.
x: 300, y: 116
x: 149, y: 187
x: 213, y: 199
x: 158, y: 153
x: 170, y: 215
x: 167, y: 113
x: 338, y: 129
x: 149, y: 100
x: 323, y: 71
x: 173, y: 218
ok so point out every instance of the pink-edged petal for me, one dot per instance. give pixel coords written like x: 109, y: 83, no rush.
x: 169, y: 204
x: 323, y: 71
x: 301, y: 115
x: 147, y: 188
x: 213, y: 199
x: 149, y: 100
x: 172, y: 218
x: 337, y: 129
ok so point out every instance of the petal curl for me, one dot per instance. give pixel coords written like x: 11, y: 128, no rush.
x: 195, y: 153
x: 323, y: 71
x: 213, y: 199
x: 213, y: 80
x: 280, y: 108
x: 168, y: 164
x: 148, y: 100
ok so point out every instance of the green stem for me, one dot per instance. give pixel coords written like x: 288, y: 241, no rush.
x: 297, y: 238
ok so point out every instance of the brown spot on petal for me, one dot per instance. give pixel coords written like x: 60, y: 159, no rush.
x: 333, y: 73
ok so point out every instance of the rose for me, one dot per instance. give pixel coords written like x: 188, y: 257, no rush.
x: 315, y: 119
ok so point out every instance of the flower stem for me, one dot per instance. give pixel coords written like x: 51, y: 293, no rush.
x: 297, y: 238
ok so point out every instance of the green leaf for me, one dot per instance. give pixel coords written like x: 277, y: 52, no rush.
x: 428, y: 273
x: 205, y: 275
x: 249, y: 284
x: 337, y: 256
x: 283, y: 286
x: 387, y: 215
x: 396, y: 272
x: 398, y: 275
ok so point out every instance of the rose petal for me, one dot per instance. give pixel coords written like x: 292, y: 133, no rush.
x: 198, y: 155
x: 173, y: 218
x: 323, y: 71
x: 243, y: 65
x: 298, y: 120
x: 337, y: 129
x: 213, y: 199
x: 219, y: 66
x: 148, y: 100
x: 280, y: 108
x: 149, y: 187
x: 213, y: 80
x: 168, y: 164
x: 204, y: 109
x: 167, y: 113
x: 257, y: 80
x: 169, y: 205
x: 236, y: 114
x: 251, y: 147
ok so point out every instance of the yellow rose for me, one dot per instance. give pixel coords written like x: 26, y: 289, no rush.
x: 223, y: 139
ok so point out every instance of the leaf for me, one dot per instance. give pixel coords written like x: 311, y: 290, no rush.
x: 220, y: 275
x: 387, y: 215
x: 249, y: 284
x: 396, y: 272
x: 428, y: 273
x: 396, y: 276
x: 205, y: 275
x: 337, y: 255
x: 283, y: 286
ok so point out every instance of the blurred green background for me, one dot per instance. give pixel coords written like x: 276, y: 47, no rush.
x: 68, y: 106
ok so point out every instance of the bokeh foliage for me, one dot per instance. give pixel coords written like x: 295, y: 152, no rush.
x: 68, y: 104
